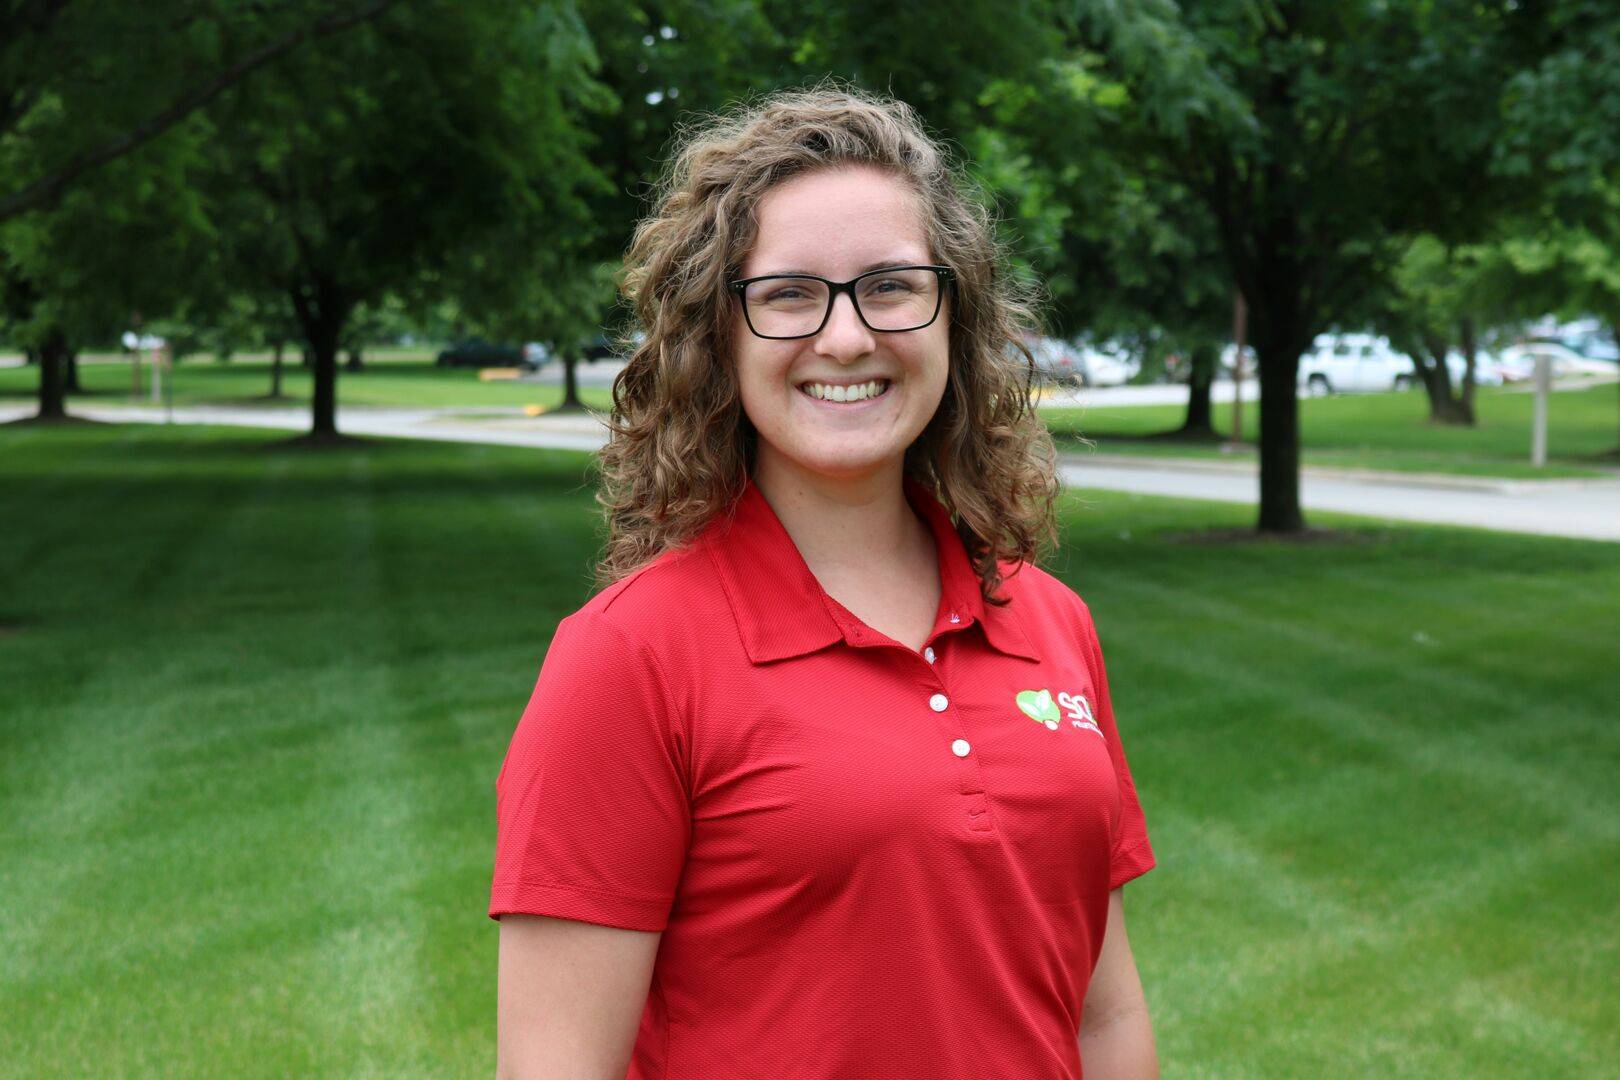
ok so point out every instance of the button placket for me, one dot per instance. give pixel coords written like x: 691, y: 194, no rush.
x: 972, y: 800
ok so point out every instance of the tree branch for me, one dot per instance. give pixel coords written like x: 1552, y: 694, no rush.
x: 47, y: 190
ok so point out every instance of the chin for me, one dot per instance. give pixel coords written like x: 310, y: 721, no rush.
x: 845, y: 465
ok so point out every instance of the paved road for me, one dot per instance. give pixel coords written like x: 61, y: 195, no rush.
x: 1586, y: 509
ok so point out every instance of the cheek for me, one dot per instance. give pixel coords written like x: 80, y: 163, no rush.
x: 759, y: 379
x: 935, y: 362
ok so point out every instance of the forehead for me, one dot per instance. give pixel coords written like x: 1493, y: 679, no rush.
x: 835, y: 222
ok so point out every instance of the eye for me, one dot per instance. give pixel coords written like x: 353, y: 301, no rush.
x: 888, y: 289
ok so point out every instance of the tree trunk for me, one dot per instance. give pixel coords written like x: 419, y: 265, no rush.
x: 324, y: 346
x: 1279, y: 435
x: 1437, y: 385
x: 53, y: 377
x: 70, y: 373
x: 570, y: 401
x: 354, y: 359
x: 1470, y: 348
x: 1446, y: 406
x: 275, y: 369
x: 323, y: 312
x: 1200, y: 416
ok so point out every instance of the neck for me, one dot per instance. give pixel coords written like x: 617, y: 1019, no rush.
x: 842, y: 523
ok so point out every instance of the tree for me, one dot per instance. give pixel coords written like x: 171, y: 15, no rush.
x: 1317, y: 133
x: 1573, y: 266
x: 1443, y: 299
x: 435, y: 151
x: 1562, y: 114
x: 1125, y: 251
x: 129, y: 237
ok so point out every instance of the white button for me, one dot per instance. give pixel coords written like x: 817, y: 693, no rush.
x: 928, y: 654
x: 938, y: 702
x: 960, y: 748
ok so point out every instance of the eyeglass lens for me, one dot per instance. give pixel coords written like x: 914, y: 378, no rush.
x: 901, y: 299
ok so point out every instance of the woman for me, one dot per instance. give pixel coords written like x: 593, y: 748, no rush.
x: 824, y: 783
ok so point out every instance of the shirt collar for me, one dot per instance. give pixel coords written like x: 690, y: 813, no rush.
x: 782, y: 610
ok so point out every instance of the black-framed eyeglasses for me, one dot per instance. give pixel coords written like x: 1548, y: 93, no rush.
x: 890, y: 300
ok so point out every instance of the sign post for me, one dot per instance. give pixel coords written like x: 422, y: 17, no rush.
x: 138, y: 344
x: 1538, y: 428
x: 167, y: 356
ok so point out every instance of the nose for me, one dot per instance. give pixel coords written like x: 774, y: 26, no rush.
x: 845, y: 338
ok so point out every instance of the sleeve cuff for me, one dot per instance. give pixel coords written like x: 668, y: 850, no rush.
x: 1130, y: 863
x: 571, y: 902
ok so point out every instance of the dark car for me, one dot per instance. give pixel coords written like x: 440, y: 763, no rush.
x: 478, y: 353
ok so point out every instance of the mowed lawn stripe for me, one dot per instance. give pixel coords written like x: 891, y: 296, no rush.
x: 84, y: 800
x: 369, y: 854
x: 1344, y: 681
x: 511, y: 550
x: 28, y: 555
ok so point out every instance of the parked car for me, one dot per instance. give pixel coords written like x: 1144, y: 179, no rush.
x: 1055, y: 361
x: 1593, y: 344
x: 1228, y: 365
x: 1103, y: 365
x: 1518, y: 362
x: 478, y: 353
x: 1589, y: 337
x: 1487, y: 368
x: 1340, y: 363
x: 1487, y: 371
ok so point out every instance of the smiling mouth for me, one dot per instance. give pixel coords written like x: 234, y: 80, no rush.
x: 865, y: 391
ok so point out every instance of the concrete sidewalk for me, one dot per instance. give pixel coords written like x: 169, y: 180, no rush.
x: 1583, y: 509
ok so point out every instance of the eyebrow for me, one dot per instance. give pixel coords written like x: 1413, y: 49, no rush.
x: 868, y: 268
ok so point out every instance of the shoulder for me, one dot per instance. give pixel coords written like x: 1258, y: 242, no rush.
x: 651, y: 610
x: 1041, y: 592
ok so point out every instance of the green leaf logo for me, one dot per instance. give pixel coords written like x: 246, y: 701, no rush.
x: 1038, y: 706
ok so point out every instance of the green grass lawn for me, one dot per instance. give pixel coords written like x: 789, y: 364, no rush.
x: 1369, y: 431
x: 393, y: 378
x: 253, y: 701
x: 1387, y: 431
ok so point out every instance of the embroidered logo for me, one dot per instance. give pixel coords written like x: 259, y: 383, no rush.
x: 1039, y: 707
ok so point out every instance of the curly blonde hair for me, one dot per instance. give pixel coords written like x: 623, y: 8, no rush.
x: 680, y: 447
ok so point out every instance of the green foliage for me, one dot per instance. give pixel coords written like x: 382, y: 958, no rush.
x: 1436, y: 290
x: 131, y: 238
x: 86, y: 83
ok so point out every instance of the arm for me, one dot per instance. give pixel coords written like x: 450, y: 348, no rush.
x: 570, y: 998
x: 1116, y: 1037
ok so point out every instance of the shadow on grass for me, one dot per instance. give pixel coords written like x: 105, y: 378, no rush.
x: 1311, y: 535
x: 325, y: 441
x: 52, y: 422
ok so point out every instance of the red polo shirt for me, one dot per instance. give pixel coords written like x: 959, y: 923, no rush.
x: 865, y: 861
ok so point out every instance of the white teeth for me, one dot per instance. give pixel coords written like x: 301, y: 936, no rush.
x: 858, y: 392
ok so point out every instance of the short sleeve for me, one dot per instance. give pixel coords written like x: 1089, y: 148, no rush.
x: 592, y: 814
x: 1132, y: 854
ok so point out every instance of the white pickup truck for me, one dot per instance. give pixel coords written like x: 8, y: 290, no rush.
x: 1337, y: 363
